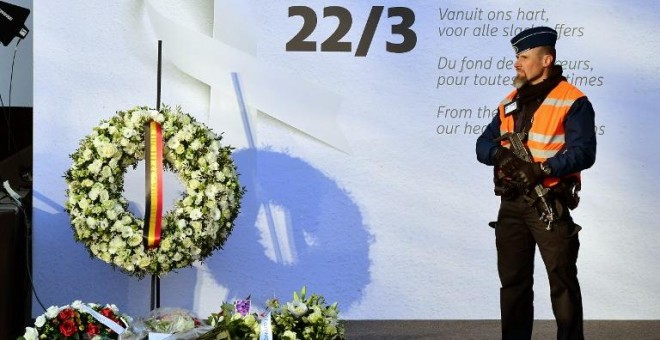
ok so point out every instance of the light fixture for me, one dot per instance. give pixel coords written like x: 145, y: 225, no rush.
x: 12, y: 22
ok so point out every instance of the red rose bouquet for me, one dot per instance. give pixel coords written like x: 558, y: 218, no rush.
x: 78, y: 321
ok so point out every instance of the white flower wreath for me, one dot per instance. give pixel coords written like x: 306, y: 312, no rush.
x: 200, y: 221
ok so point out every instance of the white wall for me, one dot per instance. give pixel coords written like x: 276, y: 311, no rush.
x: 399, y: 218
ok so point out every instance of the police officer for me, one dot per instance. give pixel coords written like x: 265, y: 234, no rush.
x: 557, y: 120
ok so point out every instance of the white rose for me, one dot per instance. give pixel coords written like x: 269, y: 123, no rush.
x: 114, y: 162
x: 128, y: 133
x: 166, y: 244
x: 106, y: 172
x: 31, y: 334
x: 95, y: 167
x: 52, y: 312
x: 143, y: 262
x: 40, y: 321
x: 195, y: 145
x: 83, y: 203
x: 87, y: 154
x: 94, y: 194
x: 91, y: 222
x: 137, y: 117
x: 195, y: 214
x: 105, y: 195
x: 106, y: 257
x: 107, y: 150
x: 211, y: 190
x: 77, y: 304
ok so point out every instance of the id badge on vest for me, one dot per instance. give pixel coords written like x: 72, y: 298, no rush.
x: 511, y: 108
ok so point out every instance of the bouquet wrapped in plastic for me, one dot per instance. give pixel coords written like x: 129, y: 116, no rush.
x: 178, y: 323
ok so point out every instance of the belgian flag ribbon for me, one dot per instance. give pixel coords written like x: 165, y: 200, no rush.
x: 153, y: 216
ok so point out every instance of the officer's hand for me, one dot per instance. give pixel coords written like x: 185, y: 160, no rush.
x: 529, y: 174
x: 507, y: 161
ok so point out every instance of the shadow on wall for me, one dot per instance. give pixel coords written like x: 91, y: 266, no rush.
x: 63, y: 269
x: 296, y: 227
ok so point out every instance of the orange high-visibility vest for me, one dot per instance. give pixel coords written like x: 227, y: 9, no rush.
x: 546, y: 135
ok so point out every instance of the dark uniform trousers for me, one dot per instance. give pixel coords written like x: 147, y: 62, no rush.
x: 518, y: 232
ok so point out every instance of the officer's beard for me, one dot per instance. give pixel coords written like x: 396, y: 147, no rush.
x: 519, y: 81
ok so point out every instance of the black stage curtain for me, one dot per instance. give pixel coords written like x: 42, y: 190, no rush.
x: 15, y: 235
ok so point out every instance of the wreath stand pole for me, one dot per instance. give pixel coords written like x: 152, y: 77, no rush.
x: 155, y: 280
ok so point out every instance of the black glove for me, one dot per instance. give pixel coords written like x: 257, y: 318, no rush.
x: 525, y: 173
x: 507, y: 161
x: 528, y: 174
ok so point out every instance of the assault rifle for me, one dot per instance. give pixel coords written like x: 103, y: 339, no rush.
x: 538, y: 193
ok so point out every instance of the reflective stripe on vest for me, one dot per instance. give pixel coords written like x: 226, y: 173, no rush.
x: 546, y: 136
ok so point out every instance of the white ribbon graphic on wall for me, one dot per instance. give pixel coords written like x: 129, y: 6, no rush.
x: 297, y: 103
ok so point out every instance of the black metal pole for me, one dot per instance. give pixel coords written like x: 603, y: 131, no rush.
x: 155, y: 280
x: 158, y: 77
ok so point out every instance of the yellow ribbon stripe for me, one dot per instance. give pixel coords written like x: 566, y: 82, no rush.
x: 153, y: 184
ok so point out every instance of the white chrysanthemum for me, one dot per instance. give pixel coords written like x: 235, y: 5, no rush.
x: 115, y: 244
x: 135, y: 240
x: 173, y: 143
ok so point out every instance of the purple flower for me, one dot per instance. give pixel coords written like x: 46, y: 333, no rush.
x: 242, y: 307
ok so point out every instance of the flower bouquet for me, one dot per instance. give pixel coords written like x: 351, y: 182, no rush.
x: 78, y: 321
x: 303, y: 318
x: 162, y: 322
x: 234, y: 321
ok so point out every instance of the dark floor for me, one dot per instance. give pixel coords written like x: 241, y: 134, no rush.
x: 490, y: 329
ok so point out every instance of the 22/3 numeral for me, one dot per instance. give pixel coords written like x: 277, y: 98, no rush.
x: 334, y: 43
